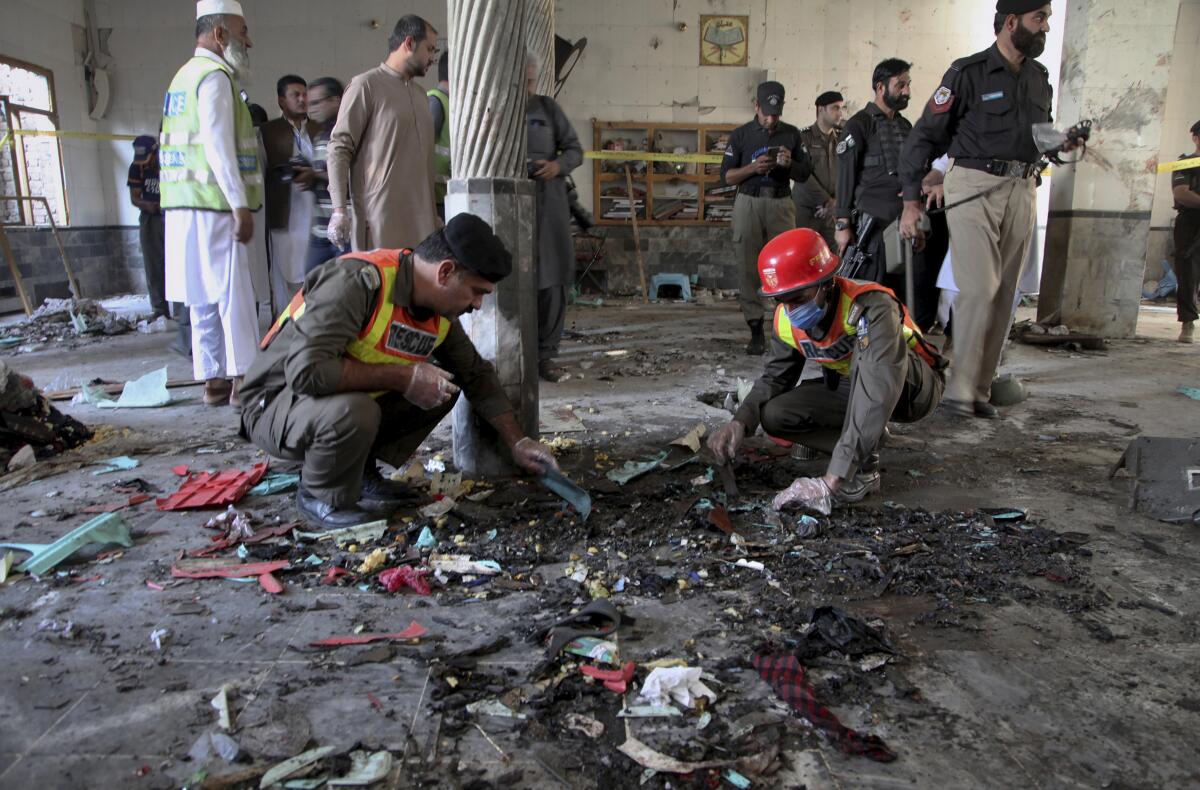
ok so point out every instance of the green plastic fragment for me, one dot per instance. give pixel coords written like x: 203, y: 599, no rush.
x: 105, y: 528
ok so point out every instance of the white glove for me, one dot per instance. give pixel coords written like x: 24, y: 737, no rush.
x: 429, y: 387
x: 725, y: 440
x: 533, y: 456
x: 812, y: 493
x: 338, y: 230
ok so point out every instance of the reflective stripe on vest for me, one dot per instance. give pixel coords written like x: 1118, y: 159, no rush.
x: 441, y: 146
x: 185, y: 175
x: 392, y: 335
x: 836, y: 350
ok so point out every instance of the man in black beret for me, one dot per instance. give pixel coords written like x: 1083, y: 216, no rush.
x: 368, y: 358
x: 814, y: 197
x: 982, y: 114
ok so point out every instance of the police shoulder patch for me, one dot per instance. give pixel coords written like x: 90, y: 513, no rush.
x: 846, y: 144
x: 942, y: 101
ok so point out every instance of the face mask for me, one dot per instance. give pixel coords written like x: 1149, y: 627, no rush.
x: 807, y: 315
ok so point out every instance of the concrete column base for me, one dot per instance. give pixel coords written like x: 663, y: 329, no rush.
x: 1093, y: 270
x: 505, y: 329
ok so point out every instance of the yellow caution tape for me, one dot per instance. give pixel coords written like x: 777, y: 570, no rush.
x: 1179, y: 164
x: 650, y: 156
x: 8, y: 136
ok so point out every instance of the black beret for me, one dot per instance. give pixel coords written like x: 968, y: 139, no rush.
x: 1019, y: 6
x: 828, y: 97
x: 477, y: 248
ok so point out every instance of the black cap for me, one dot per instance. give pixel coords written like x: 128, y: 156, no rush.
x: 477, y: 248
x: 142, y: 145
x: 828, y: 97
x: 1019, y: 6
x: 770, y: 98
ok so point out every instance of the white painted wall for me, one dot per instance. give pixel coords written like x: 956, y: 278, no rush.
x: 809, y: 45
x: 1182, y: 107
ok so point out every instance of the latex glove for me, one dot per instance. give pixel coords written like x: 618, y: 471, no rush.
x: 812, y: 493
x: 725, y: 440
x: 338, y: 231
x: 533, y: 456
x: 429, y: 386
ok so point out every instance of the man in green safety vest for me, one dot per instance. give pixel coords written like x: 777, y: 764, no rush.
x: 211, y: 186
x: 439, y: 108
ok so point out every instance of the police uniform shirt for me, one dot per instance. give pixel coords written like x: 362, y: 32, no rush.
x: 750, y: 141
x: 981, y: 110
x: 822, y: 184
x: 1189, y: 178
x: 869, y: 164
x: 307, y: 355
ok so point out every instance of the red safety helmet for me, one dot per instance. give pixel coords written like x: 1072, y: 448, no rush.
x: 795, y: 260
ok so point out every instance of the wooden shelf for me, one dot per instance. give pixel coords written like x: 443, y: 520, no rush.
x: 637, y: 133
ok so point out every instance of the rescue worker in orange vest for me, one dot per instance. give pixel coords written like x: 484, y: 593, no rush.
x: 877, y: 368
x: 366, y: 361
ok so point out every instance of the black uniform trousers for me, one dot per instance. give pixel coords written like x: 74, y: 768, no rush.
x: 1187, y: 264
x: 336, y: 436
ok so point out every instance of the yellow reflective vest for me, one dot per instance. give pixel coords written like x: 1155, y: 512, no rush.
x: 186, y: 178
x: 392, y: 336
x: 441, y: 147
x: 836, y: 350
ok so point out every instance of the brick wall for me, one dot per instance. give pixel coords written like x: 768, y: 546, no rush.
x: 106, y: 261
x: 703, y: 251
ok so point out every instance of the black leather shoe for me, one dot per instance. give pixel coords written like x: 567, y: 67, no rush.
x: 379, y: 492
x: 985, y: 410
x: 323, y: 514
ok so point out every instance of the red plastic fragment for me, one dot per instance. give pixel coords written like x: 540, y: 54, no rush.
x: 206, y: 489
x: 270, y: 584
x: 375, y: 703
x: 394, y: 579
x: 719, y: 517
x: 154, y: 586
x: 333, y: 574
x: 414, y: 631
x: 615, y: 680
x: 181, y: 470
x: 222, y: 543
x: 232, y: 571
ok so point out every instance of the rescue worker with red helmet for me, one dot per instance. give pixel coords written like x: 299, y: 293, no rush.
x: 878, y: 368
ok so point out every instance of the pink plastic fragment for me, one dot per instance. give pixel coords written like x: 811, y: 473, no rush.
x: 394, y: 579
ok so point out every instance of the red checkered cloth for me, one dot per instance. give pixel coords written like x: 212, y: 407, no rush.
x: 785, y: 673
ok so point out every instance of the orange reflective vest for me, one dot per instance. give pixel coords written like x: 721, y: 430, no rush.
x: 836, y: 350
x: 392, y: 336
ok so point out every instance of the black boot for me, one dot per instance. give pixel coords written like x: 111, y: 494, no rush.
x: 379, y: 493
x: 758, y: 342
x: 323, y: 514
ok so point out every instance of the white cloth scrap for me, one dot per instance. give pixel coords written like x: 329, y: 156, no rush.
x: 680, y: 684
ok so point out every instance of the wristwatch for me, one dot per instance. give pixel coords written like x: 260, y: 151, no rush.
x: 842, y: 224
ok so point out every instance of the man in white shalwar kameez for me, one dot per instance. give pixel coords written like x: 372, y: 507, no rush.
x: 212, y: 187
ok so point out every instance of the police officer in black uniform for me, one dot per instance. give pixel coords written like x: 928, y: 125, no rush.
x: 869, y: 167
x: 763, y: 157
x: 1185, y: 188
x: 982, y: 115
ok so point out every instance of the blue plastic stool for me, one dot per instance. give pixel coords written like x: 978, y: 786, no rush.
x: 679, y: 280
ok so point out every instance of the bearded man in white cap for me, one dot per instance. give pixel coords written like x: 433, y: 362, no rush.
x: 211, y: 186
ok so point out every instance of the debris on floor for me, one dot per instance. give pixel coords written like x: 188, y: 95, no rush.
x: 29, y: 420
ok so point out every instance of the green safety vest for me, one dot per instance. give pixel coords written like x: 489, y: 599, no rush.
x: 186, y: 179
x: 441, y: 147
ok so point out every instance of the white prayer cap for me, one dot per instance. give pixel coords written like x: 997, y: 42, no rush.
x: 207, y: 7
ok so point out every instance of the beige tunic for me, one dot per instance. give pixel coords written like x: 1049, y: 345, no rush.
x: 381, y: 153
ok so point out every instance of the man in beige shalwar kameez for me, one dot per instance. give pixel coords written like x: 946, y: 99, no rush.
x: 380, y: 153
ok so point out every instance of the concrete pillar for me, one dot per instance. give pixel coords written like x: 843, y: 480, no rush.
x: 540, y: 41
x: 488, y: 143
x: 1115, y: 70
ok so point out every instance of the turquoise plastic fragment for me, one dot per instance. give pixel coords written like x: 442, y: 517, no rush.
x: 106, y: 528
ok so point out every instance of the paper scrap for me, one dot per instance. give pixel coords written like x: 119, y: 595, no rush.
x: 121, y: 463
x: 691, y: 439
x: 646, y: 757
x: 149, y: 391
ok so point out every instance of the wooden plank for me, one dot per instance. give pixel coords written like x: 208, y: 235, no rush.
x: 637, y: 239
x: 16, y: 273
